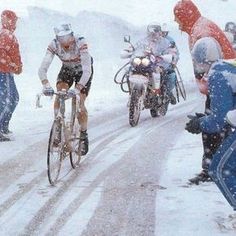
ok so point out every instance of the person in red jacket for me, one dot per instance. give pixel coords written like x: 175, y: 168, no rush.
x: 10, y: 63
x: 196, y: 26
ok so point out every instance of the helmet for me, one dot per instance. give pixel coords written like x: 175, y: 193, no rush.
x: 62, y: 30
x: 8, y: 20
x: 205, y: 52
x: 186, y: 14
x: 154, y: 30
x: 64, y: 35
x: 230, y: 27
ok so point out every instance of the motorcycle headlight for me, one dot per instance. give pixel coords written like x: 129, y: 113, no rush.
x: 145, y: 61
x: 137, y: 61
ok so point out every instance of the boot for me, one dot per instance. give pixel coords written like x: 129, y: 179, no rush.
x: 201, y: 177
x: 3, y: 138
x: 172, y: 99
x: 84, y: 142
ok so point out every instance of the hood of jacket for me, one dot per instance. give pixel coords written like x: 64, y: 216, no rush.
x: 8, y: 20
x: 186, y: 14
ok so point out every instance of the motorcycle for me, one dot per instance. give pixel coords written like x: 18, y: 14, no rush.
x: 144, y: 77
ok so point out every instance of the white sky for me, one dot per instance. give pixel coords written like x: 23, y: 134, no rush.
x: 135, y: 11
x: 129, y: 10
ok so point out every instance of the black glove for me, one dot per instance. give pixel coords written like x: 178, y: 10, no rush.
x: 193, y: 126
x: 199, y: 115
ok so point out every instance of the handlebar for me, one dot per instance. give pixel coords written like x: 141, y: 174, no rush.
x: 61, y: 93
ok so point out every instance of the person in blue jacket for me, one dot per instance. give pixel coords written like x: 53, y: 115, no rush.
x: 221, y: 81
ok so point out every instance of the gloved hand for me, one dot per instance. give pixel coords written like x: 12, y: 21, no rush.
x: 193, y: 126
x: 48, y: 90
x: 199, y: 115
x: 73, y: 92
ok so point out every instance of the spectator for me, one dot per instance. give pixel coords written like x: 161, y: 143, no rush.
x: 10, y: 64
x: 221, y: 88
x: 196, y: 26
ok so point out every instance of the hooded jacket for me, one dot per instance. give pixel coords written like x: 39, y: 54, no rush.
x: 196, y: 26
x: 10, y: 61
x: 222, y: 89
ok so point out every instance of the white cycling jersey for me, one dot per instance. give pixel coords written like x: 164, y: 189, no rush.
x: 76, y: 56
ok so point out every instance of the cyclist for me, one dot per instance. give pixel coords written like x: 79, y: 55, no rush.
x: 76, y: 67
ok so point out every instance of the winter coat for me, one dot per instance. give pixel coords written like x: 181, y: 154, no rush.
x: 222, y: 92
x: 10, y: 61
x: 197, y: 27
x: 76, y: 56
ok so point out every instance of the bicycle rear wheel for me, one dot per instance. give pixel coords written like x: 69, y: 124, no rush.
x: 55, y: 152
x: 75, y: 155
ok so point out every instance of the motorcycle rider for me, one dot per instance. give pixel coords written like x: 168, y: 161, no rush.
x: 173, y: 46
x: 221, y: 82
x: 76, y: 67
x: 160, y: 47
x: 196, y: 26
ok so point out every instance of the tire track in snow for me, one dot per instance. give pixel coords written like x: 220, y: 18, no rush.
x: 128, y: 204
x: 68, y: 212
x: 90, y: 166
x: 9, y: 201
x: 11, y: 195
x: 99, y: 148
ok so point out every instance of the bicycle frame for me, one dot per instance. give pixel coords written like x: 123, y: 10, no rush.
x: 64, y: 139
x: 60, y: 116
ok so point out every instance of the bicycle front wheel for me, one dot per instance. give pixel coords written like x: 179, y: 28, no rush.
x: 75, y: 155
x: 55, y: 153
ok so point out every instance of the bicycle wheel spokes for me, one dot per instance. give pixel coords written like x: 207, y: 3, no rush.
x: 55, y: 153
x: 180, y: 85
x: 75, y: 154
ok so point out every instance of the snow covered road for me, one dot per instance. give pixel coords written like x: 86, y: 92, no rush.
x: 113, y: 192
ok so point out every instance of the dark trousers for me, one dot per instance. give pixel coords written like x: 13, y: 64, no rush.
x: 211, y: 142
x: 9, y: 99
x: 71, y: 75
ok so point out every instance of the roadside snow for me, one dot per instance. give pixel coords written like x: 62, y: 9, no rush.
x: 193, y: 210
